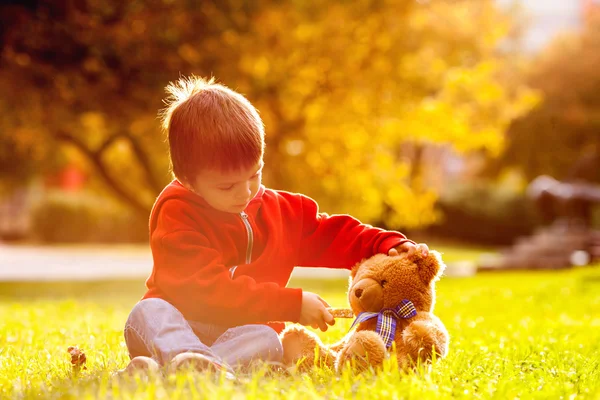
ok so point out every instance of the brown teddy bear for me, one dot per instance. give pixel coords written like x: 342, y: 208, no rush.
x: 393, y: 299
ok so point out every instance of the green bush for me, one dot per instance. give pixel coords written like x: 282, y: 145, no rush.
x: 85, y: 218
x: 484, y: 213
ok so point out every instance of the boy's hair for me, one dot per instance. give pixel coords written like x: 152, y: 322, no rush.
x: 209, y: 126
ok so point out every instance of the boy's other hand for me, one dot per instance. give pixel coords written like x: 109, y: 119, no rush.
x: 314, y: 312
x: 420, y: 249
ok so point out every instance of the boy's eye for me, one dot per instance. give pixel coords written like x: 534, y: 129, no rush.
x: 227, y: 188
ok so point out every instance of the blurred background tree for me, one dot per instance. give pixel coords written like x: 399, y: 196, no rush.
x: 21, y: 152
x: 352, y: 93
x: 562, y: 134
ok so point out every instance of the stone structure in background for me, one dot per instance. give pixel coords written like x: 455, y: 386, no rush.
x: 569, y: 239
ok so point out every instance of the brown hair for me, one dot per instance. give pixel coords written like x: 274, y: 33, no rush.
x: 210, y: 126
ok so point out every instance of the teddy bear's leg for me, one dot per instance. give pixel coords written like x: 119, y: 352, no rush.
x: 304, y: 349
x: 336, y: 347
x: 362, y: 349
x: 420, y: 340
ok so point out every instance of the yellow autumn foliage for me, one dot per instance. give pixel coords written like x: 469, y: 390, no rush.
x: 341, y: 86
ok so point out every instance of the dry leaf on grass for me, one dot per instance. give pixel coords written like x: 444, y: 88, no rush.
x: 78, y: 358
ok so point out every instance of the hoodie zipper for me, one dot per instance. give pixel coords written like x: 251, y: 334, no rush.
x: 250, y: 237
x: 250, y: 242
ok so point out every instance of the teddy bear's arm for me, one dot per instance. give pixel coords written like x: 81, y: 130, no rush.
x: 417, y: 342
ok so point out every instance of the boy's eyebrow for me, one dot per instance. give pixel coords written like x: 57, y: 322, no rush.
x: 260, y: 167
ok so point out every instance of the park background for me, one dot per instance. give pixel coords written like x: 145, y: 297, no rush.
x: 431, y: 117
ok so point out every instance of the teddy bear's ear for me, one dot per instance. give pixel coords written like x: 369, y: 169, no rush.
x: 354, y: 270
x: 431, y: 267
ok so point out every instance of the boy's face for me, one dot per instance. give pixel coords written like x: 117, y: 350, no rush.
x: 229, y: 191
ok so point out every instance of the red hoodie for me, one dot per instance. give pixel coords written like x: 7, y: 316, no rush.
x: 232, y: 269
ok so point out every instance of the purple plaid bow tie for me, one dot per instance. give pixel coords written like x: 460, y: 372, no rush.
x: 386, y: 319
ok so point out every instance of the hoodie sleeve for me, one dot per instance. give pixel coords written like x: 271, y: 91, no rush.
x: 340, y: 241
x: 191, y: 275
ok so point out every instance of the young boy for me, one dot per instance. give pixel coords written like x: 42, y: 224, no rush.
x: 224, y: 246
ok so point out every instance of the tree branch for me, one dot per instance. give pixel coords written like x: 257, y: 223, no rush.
x: 108, y: 142
x: 96, y: 160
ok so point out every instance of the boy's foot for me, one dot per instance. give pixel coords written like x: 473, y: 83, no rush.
x: 200, y: 362
x: 270, y: 369
x: 140, y: 364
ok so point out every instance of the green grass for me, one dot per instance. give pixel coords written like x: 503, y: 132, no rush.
x: 517, y: 335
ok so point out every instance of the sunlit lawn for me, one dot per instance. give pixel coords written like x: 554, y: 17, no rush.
x: 517, y: 335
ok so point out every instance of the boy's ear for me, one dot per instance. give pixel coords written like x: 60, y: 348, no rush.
x: 431, y: 268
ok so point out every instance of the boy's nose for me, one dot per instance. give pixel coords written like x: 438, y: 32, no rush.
x: 244, y: 193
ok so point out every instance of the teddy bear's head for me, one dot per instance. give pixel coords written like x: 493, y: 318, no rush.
x: 384, y: 282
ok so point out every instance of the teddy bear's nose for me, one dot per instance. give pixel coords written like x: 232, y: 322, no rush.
x: 358, y: 293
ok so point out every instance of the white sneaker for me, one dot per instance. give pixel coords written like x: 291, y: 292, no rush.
x: 140, y: 364
x: 200, y: 362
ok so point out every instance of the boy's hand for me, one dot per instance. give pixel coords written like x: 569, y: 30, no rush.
x: 411, y: 249
x: 314, y: 312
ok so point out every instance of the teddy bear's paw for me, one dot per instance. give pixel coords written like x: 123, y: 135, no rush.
x: 363, y: 349
x: 304, y: 350
x: 421, y: 339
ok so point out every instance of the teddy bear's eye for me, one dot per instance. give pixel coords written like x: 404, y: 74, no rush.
x: 383, y: 283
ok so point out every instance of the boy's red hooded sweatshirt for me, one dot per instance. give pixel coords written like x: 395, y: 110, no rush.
x: 232, y: 269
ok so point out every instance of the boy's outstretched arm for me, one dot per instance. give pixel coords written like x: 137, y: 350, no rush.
x: 341, y: 240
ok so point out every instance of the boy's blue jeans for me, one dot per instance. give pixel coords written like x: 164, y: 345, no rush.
x: 158, y: 330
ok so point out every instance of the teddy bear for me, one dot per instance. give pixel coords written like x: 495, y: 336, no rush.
x: 392, y: 298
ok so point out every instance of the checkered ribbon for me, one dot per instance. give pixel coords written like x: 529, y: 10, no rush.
x: 386, y: 319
